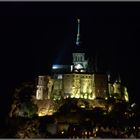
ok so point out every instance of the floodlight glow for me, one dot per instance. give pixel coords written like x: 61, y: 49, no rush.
x: 55, y: 67
x: 78, y: 66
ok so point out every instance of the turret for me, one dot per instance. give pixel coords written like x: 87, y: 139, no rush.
x: 118, y: 88
x: 110, y: 85
x: 44, y: 87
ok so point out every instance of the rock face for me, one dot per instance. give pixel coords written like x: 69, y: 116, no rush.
x: 46, y: 107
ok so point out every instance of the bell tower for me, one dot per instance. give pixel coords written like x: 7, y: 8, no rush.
x: 79, y: 62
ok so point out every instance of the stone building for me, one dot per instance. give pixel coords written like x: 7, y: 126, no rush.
x: 76, y: 81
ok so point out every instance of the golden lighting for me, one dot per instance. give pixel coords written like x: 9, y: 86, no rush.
x: 85, y: 96
x: 82, y: 106
x: 85, y: 132
x: 110, y: 108
x: 96, y: 129
x: 126, y: 98
x: 95, y: 135
x: 126, y: 94
x: 77, y: 96
x: 72, y: 96
x: 40, y: 114
x: 44, y: 112
x: 93, y: 97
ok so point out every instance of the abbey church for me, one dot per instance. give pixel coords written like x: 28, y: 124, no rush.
x: 77, y: 80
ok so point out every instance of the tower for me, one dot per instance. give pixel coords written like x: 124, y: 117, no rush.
x: 41, y: 88
x: 44, y: 87
x: 79, y: 62
x: 117, y: 88
x: 110, y: 85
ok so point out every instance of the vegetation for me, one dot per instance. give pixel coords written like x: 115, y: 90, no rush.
x: 23, y: 101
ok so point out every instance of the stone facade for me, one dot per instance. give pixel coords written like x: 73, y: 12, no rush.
x: 79, y: 85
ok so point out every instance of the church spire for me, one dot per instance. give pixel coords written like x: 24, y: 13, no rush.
x: 78, y: 33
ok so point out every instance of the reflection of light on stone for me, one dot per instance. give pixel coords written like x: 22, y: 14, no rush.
x: 126, y: 94
x: 106, y: 98
x: 82, y: 106
x: 76, y: 96
x: 82, y: 96
x: 110, y: 108
x: 40, y: 114
x: 126, y: 98
x: 93, y: 97
x: 72, y: 96
x: 50, y: 112
x: 60, y: 76
x: 46, y: 111
x: 78, y: 66
x: 85, y: 96
x: 39, y: 95
x: 90, y: 90
x: 95, y: 135
x: 82, y: 70
x: 71, y: 67
x: 96, y: 129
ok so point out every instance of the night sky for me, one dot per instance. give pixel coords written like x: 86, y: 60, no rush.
x: 33, y: 36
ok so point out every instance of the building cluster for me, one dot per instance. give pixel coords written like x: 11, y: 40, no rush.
x: 79, y: 81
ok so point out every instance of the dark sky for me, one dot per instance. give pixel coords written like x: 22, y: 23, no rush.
x: 34, y: 35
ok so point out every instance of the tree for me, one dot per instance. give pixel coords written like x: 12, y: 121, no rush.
x: 29, y: 108
x: 23, y: 101
x: 29, y: 129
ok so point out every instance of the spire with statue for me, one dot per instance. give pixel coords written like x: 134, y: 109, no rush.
x: 78, y: 33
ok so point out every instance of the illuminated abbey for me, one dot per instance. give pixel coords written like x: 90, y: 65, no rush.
x: 78, y: 81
